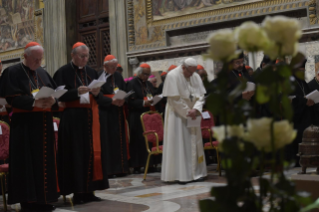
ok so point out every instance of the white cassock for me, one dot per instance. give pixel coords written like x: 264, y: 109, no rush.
x: 183, y: 154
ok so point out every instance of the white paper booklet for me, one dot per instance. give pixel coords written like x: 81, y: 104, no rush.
x: 206, y: 115
x: 291, y: 97
x: 3, y: 101
x: 194, y: 123
x: 156, y: 99
x: 250, y: 87
x: 96, y: 83
x: 46, y: 92
x: 122, y: 94
x: 314, y: 96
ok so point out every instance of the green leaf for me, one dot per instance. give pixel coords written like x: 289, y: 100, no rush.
x: 311, y: 206
x: 262, y: 94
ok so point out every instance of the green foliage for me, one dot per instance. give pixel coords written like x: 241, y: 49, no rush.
x: 241, y: 159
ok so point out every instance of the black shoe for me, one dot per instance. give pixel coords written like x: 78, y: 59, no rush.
x: 182, y: 182
x: 90, y: 197
x: 202, y: 179
x: 137, y: 171
x: 36, y: 207
x: 78, y: 198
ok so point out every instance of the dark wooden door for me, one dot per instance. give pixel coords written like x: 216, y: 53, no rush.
x: 93, y: 29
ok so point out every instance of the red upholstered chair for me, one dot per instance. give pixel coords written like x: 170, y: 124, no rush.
x: 152, y: 123
x: 207, y: 133
x: 4, y: 154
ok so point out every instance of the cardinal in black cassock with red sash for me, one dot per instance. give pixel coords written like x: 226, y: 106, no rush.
x: 303, y: 112
x: 314, y: 85
x: 139, y: 103
x: 114, y: 138
x: 32, y: 179
x: 80, y: 167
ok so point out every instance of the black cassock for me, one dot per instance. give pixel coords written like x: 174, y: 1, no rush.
x: 314, y: 85
x: 75, y: 146
x: 32, y: 171
x: 138, y: 150
x: 113, y: 135
x: 302, y: 117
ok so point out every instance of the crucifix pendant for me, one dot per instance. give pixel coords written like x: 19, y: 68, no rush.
x: 191, y: 97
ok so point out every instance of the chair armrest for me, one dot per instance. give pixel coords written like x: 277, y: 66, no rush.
x: 149, y: 132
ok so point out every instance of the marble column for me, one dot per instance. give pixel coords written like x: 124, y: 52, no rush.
x: 55, y: 35
x: 118, y: 34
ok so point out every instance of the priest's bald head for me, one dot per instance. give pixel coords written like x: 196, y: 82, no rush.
x: 110, y: 64
x: 80, y: 54
x: 189, y: 66
x: 33, y: 55
x: 144, y: 71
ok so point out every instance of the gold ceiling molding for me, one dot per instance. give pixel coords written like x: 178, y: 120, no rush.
x: 312, y: 5
x: 234, y: 9
x: 248, y: 10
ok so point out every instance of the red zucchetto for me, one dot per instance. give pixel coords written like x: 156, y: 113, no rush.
x: 145, y: 65
x: 119, y: 66
x: 109, y: 58
x: 78, y: 44
x: 31, y: 44
x: 171, y: 68
x: 199, y: 67
x: 163, y: 73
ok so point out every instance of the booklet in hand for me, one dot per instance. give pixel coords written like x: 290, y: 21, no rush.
x: 46, y: 92
x: 122, y: 94
x: 194, y: 123
x: 314, y: 96
x: 250, y: 87
x: 156, y: 99
x: 96, y: 83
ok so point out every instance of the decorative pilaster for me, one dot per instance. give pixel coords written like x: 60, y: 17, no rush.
x: 54, y: 35
x: 118, y: 34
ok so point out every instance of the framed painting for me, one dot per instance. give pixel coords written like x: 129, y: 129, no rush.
x: 163, y: 9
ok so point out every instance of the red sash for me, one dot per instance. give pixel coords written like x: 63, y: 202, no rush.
x: 35, y: 109
x: 125, y: 125
x: 97, y: 162
x: 4, y: 113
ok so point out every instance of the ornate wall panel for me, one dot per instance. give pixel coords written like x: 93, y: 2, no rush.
x: 152, y: 23
x: 20, y: 23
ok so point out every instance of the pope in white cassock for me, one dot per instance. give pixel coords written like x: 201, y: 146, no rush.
x: 183, y: 154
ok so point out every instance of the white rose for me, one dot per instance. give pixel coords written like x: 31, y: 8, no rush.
x: 222, y: 45
x: 259, y: 133
x: 286, y: 50
x: 284, y: 133
x: 282, y: 30
x: 232, y: 131
x: 251, y: 37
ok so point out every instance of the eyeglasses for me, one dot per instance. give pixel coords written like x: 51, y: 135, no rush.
x: 83, y: 56
x: 239, y: 62
x: 146, y: 74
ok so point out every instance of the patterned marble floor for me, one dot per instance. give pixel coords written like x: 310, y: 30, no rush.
x: 132, y: 194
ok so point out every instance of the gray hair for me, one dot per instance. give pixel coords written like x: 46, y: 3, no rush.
x: 139, y: 71
x: 111, y: 61
x: 74, y: 51
x: 30, y: 49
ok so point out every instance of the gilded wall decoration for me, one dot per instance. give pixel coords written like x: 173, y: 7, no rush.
x: 16, y: 23
x: 163, y: 9
x: 149, y: 20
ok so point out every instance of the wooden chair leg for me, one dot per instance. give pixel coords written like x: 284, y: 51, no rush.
x: 218, y: 162
x: 147, y: 164
x: 2, y: 175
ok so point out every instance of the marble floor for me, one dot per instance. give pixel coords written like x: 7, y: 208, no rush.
x: 132, y: 194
